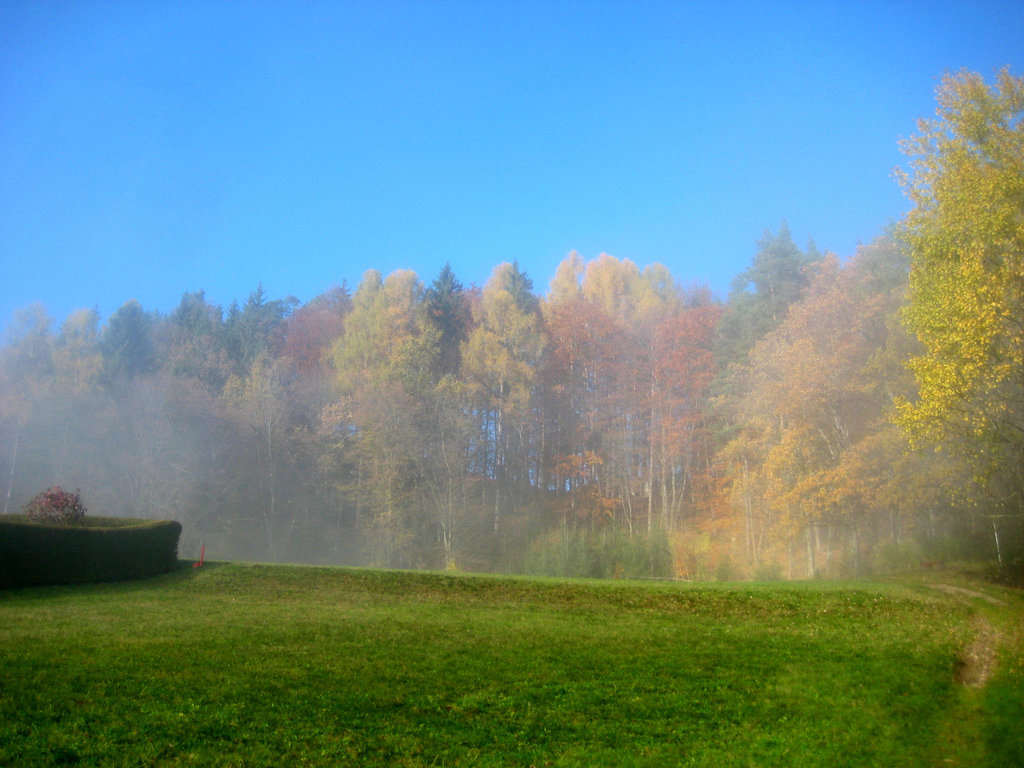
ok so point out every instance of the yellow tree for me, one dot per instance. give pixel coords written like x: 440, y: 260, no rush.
x: 76, y: 357
x: 811, y: 394
x: 383, y: 360
x: 565, y: 285
x: 382, y: 320
x: 636, y: 302
x: 965, y: 300
x: 499, y: 363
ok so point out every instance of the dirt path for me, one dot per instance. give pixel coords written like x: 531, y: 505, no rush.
x: 949, y: 589
x: 979, y: 658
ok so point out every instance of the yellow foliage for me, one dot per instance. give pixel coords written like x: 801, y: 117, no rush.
x: 965, y: 300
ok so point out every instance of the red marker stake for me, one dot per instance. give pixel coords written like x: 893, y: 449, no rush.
x: 202, y: 553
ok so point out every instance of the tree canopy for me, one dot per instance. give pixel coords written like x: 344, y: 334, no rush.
x: 965, y: 300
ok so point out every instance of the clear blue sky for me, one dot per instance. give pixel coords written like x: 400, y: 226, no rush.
x: 153, y: 148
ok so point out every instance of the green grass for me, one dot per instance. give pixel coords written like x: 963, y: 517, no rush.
x: 246, y: 665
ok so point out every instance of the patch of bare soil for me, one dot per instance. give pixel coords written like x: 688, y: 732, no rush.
x: 978, y: 660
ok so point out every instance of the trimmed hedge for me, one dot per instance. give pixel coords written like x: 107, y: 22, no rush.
x: 101, y: 549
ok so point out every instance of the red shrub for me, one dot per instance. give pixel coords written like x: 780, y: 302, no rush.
x: 55, y: 505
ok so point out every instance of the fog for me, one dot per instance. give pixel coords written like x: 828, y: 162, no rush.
x: 619, y: 426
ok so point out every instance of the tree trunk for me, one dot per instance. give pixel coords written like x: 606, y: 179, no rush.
x: 14, y: 462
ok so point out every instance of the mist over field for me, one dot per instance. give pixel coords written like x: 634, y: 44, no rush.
x: 824, y: 411
x: 616, y: 425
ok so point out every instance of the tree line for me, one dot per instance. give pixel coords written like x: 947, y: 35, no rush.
x: 826, y: 417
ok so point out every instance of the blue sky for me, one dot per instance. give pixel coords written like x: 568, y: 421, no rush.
x: 153, y: 148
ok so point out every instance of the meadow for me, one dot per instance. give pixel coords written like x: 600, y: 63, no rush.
x: 238, y: 664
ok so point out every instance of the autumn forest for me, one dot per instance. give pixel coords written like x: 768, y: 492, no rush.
x: 828, y: 417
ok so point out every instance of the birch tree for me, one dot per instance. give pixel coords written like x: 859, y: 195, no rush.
x: 965, y: 301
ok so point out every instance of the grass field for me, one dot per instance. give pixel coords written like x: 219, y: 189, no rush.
x: 249, y: 665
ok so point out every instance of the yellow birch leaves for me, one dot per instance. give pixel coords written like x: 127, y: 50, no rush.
x: 965, y: 300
